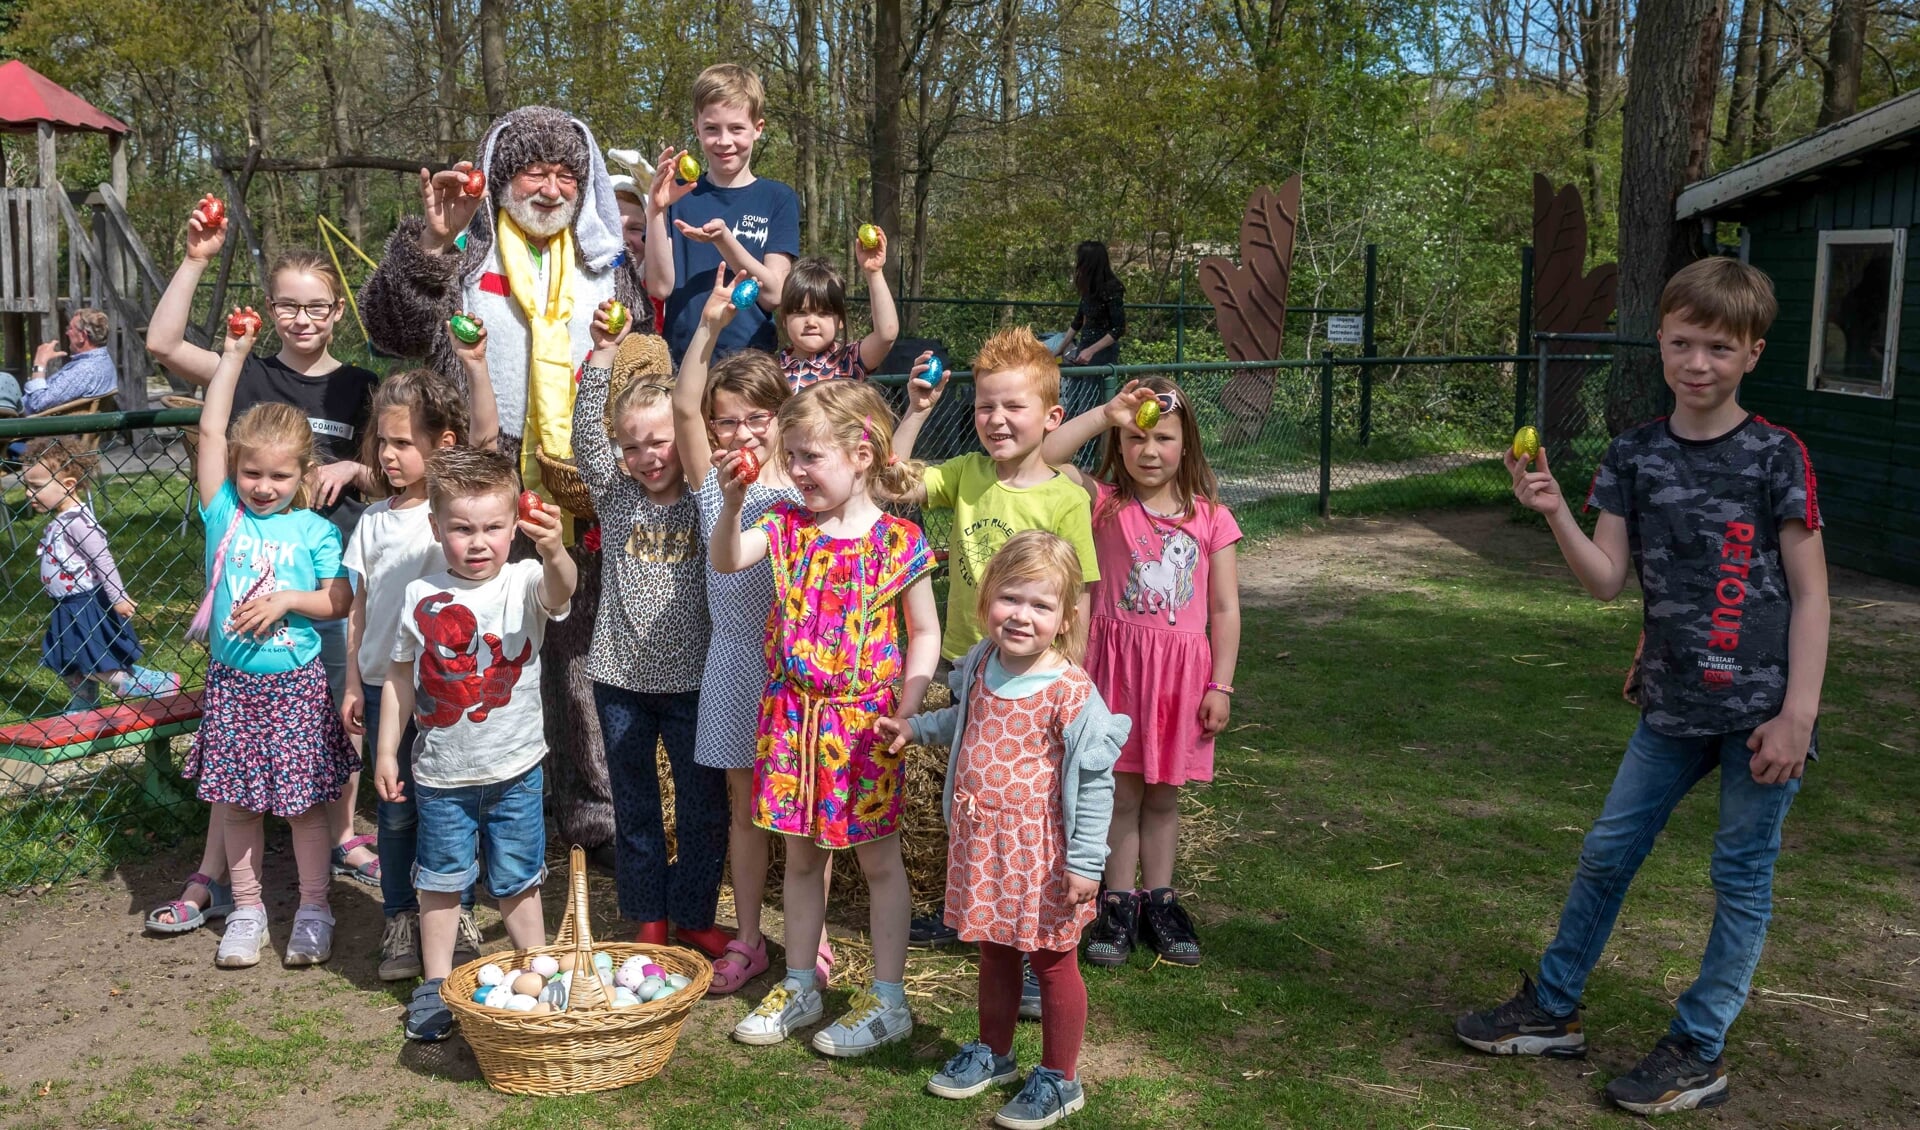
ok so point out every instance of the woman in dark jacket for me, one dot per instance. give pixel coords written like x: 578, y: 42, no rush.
x: 1094, y: 338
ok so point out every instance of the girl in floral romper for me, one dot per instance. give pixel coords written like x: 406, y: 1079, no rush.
x: 1028, y: 796
x: 843, y: 571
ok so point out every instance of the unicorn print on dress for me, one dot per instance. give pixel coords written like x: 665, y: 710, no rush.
x: 1164, y: 585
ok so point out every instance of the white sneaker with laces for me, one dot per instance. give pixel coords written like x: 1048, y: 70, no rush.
x: 467, y: 942
x: 240, y: 944
x: 400, y: 948
x: 783, y: 1010
x: 868, y: 1023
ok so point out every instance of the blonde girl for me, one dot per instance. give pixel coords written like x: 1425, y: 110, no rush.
x: 305, y: 300
x: 733, y: 406
x: 844, y: 572
x: 1162, y: 645
x: 415, y: 413
x: 89, y: 639
x: 813, y: 314
x: 269, y: 739
x: 1028, y: 793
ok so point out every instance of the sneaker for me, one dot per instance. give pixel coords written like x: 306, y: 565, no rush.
x: 429, y: 1020
x: 972, y: 1070
x: 1672, y: 1077
x: 930, y: 931
x: 1522, y: 1027
x: 783, y: 1010
x: 312, y: 940
x: 240, y: 944
x: 400, y: 948
x: 1047, y: 1098
x: 868, y: 1023
x: 1110, y: 938
x: 1164, y: 925
x: 467, y: 942
x: 148, y: 683
x: 1029, y: 991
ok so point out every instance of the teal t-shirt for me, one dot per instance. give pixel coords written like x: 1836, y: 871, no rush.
x: 294, y: 550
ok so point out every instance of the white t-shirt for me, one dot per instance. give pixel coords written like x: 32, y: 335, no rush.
x: 389, y: 548
x: 476, y: 677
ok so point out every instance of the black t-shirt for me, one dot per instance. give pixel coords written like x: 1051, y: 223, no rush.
x: 338, y: 405
x: 1703, y: 521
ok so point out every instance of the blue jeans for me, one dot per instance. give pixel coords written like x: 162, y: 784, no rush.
x: 504, y: 821
x: 651, y: 889
x: 398, y: 821
x: 1655, y: 773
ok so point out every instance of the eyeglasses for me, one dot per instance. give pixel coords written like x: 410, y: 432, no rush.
x: 756, y: 423
x: 315, y: 311
x: 560, y: 176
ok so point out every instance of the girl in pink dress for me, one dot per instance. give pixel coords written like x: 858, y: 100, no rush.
x: 1161, y: 646
x: 1029, y: 789
x: 844, y: 571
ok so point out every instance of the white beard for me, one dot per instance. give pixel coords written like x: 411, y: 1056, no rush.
x: 537, y: 224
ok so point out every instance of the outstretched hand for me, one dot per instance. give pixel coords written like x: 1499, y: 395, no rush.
x: 602, y: 336
x: 922, y: 395
x: 719, y: 309
x: 1537, y: 490
x: 1124, y: 408
x: 667, y: 189
x: 446, y: 205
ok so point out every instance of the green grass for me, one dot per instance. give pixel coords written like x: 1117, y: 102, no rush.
x: 1405, y: 784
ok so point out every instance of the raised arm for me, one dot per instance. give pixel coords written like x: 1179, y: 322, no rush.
x: 1600, y: 562
x: 407, y: 300
x: 1061, y: 443
x: 921, y: 399
x: 732, y: 549
x: 593, y: 451
x: 689, y: 392
x: 485, y: 432
x: 167, y: 329
x: 662, y: 194
x: 210, y: 469
x: 886, y: 316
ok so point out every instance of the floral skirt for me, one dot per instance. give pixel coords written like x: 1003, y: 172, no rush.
x: 821, y: 771
x: 269, y: 743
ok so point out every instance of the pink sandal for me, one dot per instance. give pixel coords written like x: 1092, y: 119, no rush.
x: 731, y: 973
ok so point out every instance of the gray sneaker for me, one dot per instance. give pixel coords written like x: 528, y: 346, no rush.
x: 1029, y: 991
x: 972, y: 1070
x: 400, y: 948
x: 312, y: 940
x: 240, y: 944
x: 1047, y: 1098
x: 467, y: 943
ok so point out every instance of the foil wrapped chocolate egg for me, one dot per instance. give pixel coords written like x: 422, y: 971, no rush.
x: 464, y: 328
x: 688, y: 168
x: 616, y: 317
x: 1526, y: 443
x: 869, y: 236
x: 746, y: 292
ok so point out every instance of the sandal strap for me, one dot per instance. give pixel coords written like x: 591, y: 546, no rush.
x: 182, y: 911
x: 204, y: 879
x: 749, y: 953
x: 355, y: 843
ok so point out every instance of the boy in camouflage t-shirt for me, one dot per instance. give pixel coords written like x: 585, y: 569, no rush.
x: 1715, y: 510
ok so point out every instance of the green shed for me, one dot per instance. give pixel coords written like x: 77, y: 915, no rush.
x: 1832, y: 218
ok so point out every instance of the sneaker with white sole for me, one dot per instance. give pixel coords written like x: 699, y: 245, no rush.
x: 1047, y: 1097
x: 868, y: 1023
x: 779, y: 1014
x: 972, y: 1070
x: 400, y: 948
x: 1521, y: 1027
x: 312, y: 940
x: 1673, y: 1077
x: 467, y: 942
x: 245, y: 933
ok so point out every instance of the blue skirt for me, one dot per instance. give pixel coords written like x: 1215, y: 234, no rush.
x: 86, y: 637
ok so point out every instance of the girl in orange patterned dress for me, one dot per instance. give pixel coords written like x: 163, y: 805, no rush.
x: 1028, y: 797
x: 844, y: 570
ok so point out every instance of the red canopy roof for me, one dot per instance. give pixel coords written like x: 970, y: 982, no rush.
x: 28, y: 98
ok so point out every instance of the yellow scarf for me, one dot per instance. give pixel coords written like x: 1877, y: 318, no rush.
x: 550, y: 344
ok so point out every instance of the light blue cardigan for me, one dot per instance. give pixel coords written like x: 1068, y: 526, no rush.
x: 1093, y: 741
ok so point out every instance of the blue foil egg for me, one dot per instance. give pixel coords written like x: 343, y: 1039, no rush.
x: 936, y: 369
x: 480, y: 994
x: 746, y: 292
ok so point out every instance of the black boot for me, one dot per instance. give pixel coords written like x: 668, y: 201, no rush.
x: 1165, y: 926
x: 1110, y: 939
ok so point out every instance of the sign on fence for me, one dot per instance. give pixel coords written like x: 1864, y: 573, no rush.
x: 1346, y: 329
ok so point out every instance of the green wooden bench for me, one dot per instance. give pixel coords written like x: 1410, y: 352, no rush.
x: 150, y: 723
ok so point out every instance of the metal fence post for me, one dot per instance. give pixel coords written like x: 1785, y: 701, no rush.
x: 1180, y: 318
x: 1367, y: 347
x: 1326, y: 432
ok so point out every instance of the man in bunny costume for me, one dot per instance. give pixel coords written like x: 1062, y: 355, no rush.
x: 531, y: 258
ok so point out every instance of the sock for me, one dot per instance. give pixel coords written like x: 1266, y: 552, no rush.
x: 801, y: 980
x: 891, y: 993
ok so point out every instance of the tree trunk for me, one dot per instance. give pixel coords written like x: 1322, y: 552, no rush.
x: 446, y: 36
x: 1746, y: 62
x: 493, y: 56
x: 1767, y: 72
x: 336, y: 70
x: 889, y: 58
x: 805, y: 138
x: 1846, y: 47
x: 1671, y: 77
x: 1599, y: 70
x: 1009, y: 83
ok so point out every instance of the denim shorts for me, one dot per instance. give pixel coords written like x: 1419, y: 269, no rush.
x: 504, y: 819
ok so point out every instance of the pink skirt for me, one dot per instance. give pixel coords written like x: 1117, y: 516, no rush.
x: 1157, y: 678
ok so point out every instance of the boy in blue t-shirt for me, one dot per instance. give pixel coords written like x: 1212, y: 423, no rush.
x: 1715, y: 510
x: 729, y: 217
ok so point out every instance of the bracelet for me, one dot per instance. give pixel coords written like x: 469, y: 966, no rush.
x: 1221, y: 687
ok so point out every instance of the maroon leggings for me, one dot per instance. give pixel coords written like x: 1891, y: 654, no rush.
x: 1063, y: 1003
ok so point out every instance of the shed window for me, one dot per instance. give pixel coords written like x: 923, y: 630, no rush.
x: 1856, y: 311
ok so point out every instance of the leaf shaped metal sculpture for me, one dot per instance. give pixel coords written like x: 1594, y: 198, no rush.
x: 1250, y: 301
x: 1567, y: 298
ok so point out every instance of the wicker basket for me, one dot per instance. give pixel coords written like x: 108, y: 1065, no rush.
x: 562, y: 481
x: 592, y: 1046
x: 641, y: 356
x: 190, y: 435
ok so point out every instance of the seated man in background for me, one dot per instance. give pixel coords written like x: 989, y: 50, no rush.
x: 87, y: 372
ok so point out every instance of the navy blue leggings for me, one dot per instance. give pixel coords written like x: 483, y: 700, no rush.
x: 632, y: 725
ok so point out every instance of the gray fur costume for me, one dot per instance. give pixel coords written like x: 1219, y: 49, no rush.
x: 406, y: 305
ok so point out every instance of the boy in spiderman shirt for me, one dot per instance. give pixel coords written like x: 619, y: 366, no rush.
x: 466, y: 666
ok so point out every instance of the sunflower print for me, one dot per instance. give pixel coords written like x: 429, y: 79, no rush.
x: 833, y: 644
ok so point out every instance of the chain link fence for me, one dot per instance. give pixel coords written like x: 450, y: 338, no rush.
x: 82, y: 790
